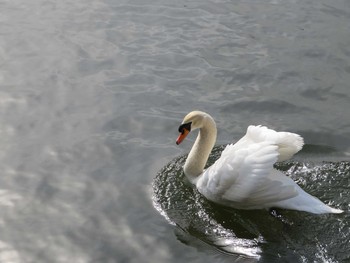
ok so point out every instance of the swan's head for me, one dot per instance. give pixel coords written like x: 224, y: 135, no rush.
x: 193, y: 120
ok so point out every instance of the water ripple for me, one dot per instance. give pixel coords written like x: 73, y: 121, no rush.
x: 256, y: 233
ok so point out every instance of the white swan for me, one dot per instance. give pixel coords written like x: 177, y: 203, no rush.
x: 244, y: 177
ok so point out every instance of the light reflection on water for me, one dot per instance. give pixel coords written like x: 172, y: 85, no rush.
x: 91, y: 94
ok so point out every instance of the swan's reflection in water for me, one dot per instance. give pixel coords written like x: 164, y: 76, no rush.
x: 254, y: 235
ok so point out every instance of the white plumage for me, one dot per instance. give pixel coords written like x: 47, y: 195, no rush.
x: 244, y: 177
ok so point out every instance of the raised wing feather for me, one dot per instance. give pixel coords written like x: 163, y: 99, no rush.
x: 288, y: 143
x: 244, y: 173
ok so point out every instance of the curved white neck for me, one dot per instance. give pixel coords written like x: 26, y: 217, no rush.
x: 198, y: 156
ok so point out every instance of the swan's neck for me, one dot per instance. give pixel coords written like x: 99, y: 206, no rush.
x: 198, y: 156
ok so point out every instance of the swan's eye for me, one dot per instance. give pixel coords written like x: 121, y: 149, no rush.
x: 185, y: 126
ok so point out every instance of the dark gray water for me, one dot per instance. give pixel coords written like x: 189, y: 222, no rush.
x: 254, y: 236
x: 91, y: 95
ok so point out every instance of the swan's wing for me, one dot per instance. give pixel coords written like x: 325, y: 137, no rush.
x: 288, y: 143
x: 275, y: 188
x: 244, y: 176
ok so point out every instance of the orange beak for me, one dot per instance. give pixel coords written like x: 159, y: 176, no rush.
x: 182, y: 136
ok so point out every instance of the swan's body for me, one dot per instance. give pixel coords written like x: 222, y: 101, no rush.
x: 244, y: 177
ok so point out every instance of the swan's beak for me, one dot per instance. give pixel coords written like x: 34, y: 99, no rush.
x: 182, y: 136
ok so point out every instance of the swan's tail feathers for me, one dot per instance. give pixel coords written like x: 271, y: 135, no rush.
x: 288, y: 143
x: 323, y: 209
x: 306, y: 202
x: 336, y: 211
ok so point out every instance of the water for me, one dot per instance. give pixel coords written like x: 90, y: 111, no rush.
x: 91, y: 95
x: 254, y: 236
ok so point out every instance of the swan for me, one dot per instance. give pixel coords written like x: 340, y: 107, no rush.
x: 244, y: 176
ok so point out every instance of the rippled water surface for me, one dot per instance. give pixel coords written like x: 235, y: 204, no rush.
x: 254, y: 236
x: 91, y: 95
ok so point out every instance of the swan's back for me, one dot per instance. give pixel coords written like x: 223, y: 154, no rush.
x: 244, y: 177
x: 241, y: 177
